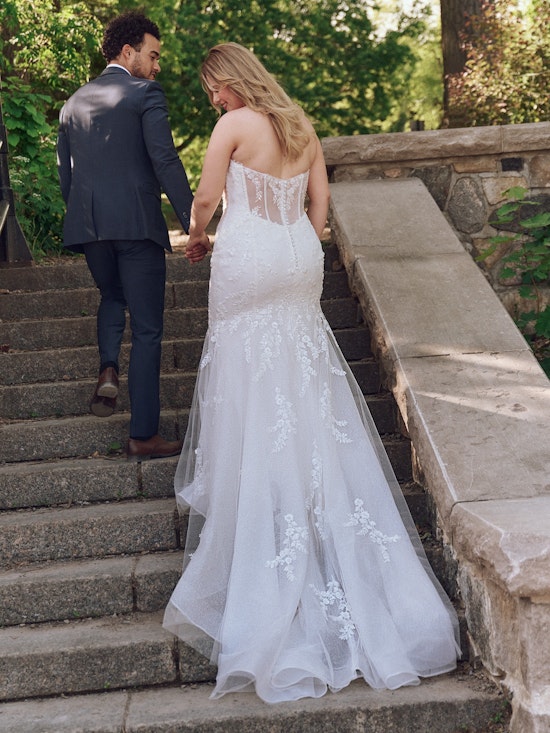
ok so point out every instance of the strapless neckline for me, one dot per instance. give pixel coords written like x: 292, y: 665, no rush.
x: 267, y: 175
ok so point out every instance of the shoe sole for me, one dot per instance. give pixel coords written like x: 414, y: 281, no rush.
x: 100, y: 409
x: 108, y: 390
x: 138, y: 459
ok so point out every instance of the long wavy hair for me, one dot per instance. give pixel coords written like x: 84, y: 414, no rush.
x: 233, y: 65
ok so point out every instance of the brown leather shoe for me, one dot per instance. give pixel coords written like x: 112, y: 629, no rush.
x: 155, y: 447
x: 102, y: 406
x: 107, y: 384
x: 103, y: 402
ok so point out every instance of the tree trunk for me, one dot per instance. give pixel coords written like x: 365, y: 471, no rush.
x: 454, y: 16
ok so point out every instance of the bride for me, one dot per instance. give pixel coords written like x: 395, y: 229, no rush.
x: 303, y: 569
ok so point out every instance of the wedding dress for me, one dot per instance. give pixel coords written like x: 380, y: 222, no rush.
x: 302, y: 569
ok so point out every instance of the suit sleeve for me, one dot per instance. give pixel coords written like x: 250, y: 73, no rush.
x: 63, y: 160
x: 164, y: 157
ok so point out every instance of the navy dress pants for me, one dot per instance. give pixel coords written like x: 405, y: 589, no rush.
x: 132, y: 274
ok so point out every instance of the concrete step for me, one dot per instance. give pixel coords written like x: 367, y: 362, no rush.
x: 80, y: 589
x: 71, y: 303
x: 70, y: 482
x: 74, y: 302
x: 93, y: 531
x: 447, y: 704
x: 39, y: 467
x: 76, y: 437
x: 89, y: 436
x: 72, y: 396
x: 61, y: 333
x: 68, y: 590
x: 71, y: 273
x: 87, y: 656
x: 72, y: 363
x: 54, y: 365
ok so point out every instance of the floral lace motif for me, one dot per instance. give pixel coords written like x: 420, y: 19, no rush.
x: 328, y: 417
x: 199, y: 473
x: 286, y: 423
x: 368, y: 527
x: 334, y: 595
x: 295, y: 541
x: 314, y: 500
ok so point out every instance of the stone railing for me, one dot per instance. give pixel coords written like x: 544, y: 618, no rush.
x: 466, y: 170
x: 473, y: 398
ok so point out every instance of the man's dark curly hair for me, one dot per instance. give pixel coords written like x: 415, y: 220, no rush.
x: 128, y: 28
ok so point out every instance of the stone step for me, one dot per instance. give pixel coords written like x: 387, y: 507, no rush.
x: 68, y: 590
x: 82, y: 301
x: 34, y: 473
x: 50, y: 399
x: 77, y: 436
x: 88, y: 655
x: 72, y: 397
x: 61, y: 333
x: 70, y: 482
x: 89, y: 436
x: 52, y: 365
x: 80, y: 589
x: 93, y: 531
x: 131, y: 652
x: 72, y: 273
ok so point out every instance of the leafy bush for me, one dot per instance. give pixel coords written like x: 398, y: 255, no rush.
x: 33, y: 171
x: 529, y: 261
x: 507, y: 72
x: 46, y: 53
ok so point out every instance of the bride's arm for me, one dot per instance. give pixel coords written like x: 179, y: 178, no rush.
x: 318, y: 191
x: 216, y: 162
x: 210, y: 190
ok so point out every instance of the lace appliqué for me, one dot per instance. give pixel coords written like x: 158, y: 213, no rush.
x: 198, y: 482
x: 328, y: 417
x: 314, y: 501
x: 334, y: 595
x: 295, y: 541
x: 368, y: 527
x: 286, y: 423
x: 269, y: 341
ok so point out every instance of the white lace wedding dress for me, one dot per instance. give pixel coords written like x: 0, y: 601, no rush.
x: 305, y: 576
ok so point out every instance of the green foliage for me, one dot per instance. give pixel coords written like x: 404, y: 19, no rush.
x: 529, y: 261
x: 507, y: 72
x: 326, y: 53
x: 33, y: 176
x: 422, y: 97
x: 46, y: 54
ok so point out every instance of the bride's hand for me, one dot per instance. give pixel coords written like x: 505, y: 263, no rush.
x: 197, y: 248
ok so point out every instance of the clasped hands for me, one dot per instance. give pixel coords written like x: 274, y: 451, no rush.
x: 197, y: 247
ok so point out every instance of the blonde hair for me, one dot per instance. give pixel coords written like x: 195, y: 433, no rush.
x: 234, y: 66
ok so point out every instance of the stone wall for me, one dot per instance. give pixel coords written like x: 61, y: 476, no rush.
x: 466, y: 171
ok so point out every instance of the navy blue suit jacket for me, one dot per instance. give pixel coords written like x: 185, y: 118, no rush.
x: 115, y: 154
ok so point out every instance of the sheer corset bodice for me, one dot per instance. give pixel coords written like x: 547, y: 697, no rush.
x: 278, y: 200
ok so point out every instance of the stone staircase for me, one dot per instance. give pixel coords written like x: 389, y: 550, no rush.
x: 90, y: 545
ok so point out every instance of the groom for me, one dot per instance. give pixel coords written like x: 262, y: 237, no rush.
x: 115, y: 154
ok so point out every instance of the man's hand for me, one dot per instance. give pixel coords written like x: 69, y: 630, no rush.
x: 197, y: 248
